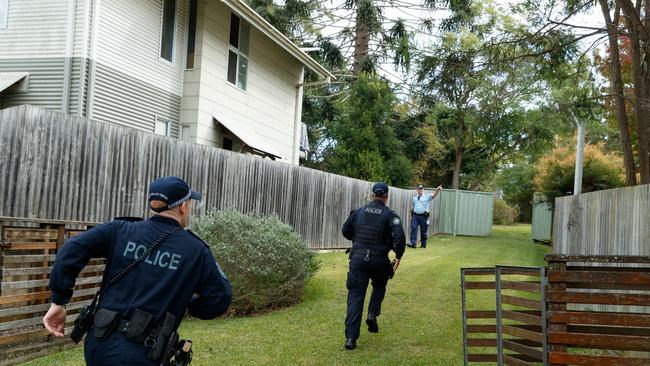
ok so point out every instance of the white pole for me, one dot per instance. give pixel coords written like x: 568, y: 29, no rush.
x: 580, y: 154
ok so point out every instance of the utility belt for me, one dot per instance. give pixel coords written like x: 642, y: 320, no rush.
x: 426, y: 214
x: 367, y: 252
x: 161, y: 340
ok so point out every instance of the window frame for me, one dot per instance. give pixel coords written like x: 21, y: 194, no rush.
x: 168, y: 126
x: 238, y: 53
x: 191, y: 36
x: 174, y: 29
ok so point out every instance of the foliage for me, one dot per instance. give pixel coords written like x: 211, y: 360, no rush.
x: 365, y: 144
x: 517, y: 183
x: 312, y: 333
x: 557, y: 171
x: 267, y: 263
x: 504, y: 214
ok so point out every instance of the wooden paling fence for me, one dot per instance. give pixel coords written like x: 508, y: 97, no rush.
x: 27, y: 251
x: 580, y: 310
x: 61, y: 167
x: 609, y: 222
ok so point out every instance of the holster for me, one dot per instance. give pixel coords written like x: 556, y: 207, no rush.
x: 83, y: 323
x: 105, y: 322
x: 163, y: 347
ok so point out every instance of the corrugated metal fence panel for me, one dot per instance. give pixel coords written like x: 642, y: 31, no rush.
x: 62, y: 167
x: 474, y: 213
x: 609, y: 222
x: 542, y: 220
x: 474, y: 216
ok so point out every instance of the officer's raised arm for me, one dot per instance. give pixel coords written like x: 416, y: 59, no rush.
x: 214, y: 291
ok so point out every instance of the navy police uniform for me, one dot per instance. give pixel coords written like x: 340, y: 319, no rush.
x: 180, y: 274
x: 374, y: 230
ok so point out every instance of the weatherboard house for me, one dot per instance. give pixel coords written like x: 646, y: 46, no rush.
x: 211, y: 72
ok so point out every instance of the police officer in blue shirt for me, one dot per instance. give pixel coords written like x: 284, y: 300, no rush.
x: 420, y: 215
x: 133, y: 312
x: 374, y: 230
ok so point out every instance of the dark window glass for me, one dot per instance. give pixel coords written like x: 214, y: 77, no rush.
x: 167, y: 38
x: 234, y: 30
x: 232, y: 67
x: 227, y: 144
x: 191, y: 37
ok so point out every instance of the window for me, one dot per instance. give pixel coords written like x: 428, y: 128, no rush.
x: 191, y: 37
x: 162, y: 127
x: 185, y: 132
x: 227, y: 144
x: 4, y: 10
x: 240, y: 33
x: 168, y: 27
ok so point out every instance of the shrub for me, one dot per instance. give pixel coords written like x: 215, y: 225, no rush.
x: 557, y: 170
x: 504, y: 214
x: 266, y: 261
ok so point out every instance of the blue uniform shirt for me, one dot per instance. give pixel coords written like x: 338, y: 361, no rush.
x: 166, y: 281
x: 421, y: 203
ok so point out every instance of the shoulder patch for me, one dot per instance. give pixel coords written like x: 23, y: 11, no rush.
x: 396, y: 220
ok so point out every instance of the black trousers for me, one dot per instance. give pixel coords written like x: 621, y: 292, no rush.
x: 115, y: 350
x: 363, y: 269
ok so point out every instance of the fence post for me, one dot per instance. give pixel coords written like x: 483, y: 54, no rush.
x: 456, y: 212
x: 554, y: 306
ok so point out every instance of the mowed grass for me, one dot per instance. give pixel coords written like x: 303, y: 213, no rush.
x: 420, y: 322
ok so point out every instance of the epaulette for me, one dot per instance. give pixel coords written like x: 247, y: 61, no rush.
x: 196, y: 236
x: 128, y: 218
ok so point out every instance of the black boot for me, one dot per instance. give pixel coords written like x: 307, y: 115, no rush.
x: 373, y: 327
x: 350, y: 343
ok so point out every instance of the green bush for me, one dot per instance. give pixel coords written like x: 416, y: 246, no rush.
x: 266, y: 261
x: 504, y: 214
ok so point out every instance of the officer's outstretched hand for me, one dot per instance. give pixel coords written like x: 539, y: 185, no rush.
x: 54, y: 320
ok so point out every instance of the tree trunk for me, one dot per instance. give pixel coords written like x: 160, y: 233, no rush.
x: 619, y: 97
x: 641, y: 109
x: 361, y: 44
x: 455, y: 182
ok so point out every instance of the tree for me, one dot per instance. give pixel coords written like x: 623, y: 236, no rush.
x: 363, y: 144
x: 482, y: 103
x: 517, y: 183
x: 556, y: 171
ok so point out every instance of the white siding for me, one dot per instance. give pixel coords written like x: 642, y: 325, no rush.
x: 128, y: 41
x: 268, y: 105
x: 35, y: 28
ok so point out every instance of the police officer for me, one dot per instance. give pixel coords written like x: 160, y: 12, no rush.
x: 180, y: 274
x: 420, y: 215
x: 374, y: 230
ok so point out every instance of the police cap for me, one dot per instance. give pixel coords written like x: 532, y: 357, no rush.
x: 380, y: 189
x: 171, y: 190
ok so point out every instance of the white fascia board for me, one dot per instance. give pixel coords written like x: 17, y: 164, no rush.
x: 246, y: 12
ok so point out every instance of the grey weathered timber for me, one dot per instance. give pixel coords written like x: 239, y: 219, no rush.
x: 609, y: 222
x: 59, y: 167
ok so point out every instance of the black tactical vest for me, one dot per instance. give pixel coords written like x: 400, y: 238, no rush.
x: 370, y: 225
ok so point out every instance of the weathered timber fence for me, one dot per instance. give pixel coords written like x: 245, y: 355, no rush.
x: 587, y: 322
x: 609, y: 222
x: 63, y: 167
x: 27, y: 250
x: 579, y: 310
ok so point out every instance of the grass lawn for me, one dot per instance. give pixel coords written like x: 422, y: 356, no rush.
x: 420, y: 322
